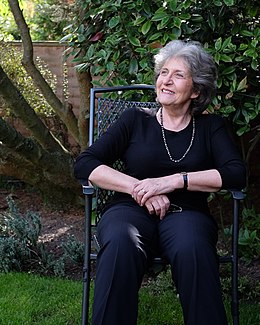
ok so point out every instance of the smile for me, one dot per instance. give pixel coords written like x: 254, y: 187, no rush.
x: 167, y: 91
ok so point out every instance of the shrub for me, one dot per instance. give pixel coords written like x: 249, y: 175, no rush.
x: 20, y: 248
x: 10, y: 60
x: 248, y: 240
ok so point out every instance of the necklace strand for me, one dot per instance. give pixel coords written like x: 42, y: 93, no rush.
x: 165, y: 142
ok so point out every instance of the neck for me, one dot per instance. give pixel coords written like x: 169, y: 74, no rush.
x: 173, y: 120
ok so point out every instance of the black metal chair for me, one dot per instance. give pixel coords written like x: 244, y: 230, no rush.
x: 103, y: 112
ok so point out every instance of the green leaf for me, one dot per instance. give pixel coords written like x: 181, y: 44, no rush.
x: 173, y: 5
x: 219, y: 83
x: 143, y: 63
x: 184, y: 16
x: 242, y: 85
x: 225, y: 58
x: 212, y: 21
x: 243, y: 130
x: 246, y: 115
x: 239, y: 58
x: 197, y: 18
x: 81, y: 38
x: 134, y: 41
x: 229, y: 3
x: 146, y: 27
x: 154, y: 37
x: 159, y: 15
x: 114, y: 21
x: 133, y: 67
x: 254, y: 64
x: 218, y: 3
x: 217, y: 57
x: 116, y: 55
x: 139, y: 21
x: 102, y: 53
x: 250, y: 52
x: 228, y: 70
x: 177, y: 22
x: 163, y: 23
x: 226, y: 43
x: 90, y: 51
x: 110, y: 66
x: 218, y: 44
x: 246, y: 33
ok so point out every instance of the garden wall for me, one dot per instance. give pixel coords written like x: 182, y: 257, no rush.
x: 52, y: 54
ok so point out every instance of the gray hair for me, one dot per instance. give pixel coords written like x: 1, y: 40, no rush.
x: 201, y: 67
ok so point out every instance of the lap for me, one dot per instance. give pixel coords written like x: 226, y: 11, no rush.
x: 127, y: 221
x: 187, y: 231
x: 177, y: 231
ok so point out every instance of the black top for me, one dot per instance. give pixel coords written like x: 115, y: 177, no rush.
x: 136, y: 139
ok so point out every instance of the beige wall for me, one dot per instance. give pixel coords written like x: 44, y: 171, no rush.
x: 52, y: 54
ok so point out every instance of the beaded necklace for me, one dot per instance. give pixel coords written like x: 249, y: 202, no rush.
x: 165, y: 142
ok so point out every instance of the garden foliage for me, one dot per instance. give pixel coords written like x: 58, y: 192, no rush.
x: 116, y: 40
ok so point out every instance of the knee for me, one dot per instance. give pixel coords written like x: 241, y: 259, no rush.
x: 125, y: 238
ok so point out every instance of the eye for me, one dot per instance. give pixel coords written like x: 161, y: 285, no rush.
x: 163, y: 72
x: 179, y: 75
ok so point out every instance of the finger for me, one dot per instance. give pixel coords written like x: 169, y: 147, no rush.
x: 140, y: 196
x: 163, y: 213
x: 157, y: 208
x: 150, y: 208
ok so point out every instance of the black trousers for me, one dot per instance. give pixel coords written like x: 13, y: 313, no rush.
x: 129, y: 237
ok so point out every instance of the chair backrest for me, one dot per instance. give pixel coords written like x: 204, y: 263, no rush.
x: 106, y: 105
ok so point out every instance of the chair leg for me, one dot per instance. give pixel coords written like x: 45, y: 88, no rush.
x: 86, y: 266
x: 235, y: 303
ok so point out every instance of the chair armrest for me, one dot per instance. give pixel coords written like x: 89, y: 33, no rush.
x: 237, y: 195
x: 86, y: 188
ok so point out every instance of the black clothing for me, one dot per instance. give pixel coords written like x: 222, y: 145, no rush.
x: 136, y: 139
x: 129, y: 235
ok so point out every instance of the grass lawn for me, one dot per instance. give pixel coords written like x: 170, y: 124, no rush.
x: 27, y: 299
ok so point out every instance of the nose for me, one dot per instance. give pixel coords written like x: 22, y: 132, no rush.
x: 169, y: 80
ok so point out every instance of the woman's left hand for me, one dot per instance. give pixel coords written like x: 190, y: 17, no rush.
x: 158, y: 205
x: 145, y: 189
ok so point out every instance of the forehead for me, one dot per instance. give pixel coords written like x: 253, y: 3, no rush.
x: 176, y: 63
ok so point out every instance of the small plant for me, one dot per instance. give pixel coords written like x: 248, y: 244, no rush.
x: 248, y: 288
x: 74, y: 250
x: 18, y: 237
x: 249, y: 234
x: 161, y: 282
x: 20, y: 249
x: 12, y: 253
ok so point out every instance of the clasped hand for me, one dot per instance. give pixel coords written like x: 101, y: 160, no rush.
x: 151, y: 194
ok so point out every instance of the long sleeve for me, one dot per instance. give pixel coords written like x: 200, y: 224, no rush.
x: 226, y: 156
x: 106, y: 149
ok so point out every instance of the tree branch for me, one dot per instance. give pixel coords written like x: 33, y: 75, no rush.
x: 33, y: 153
x: 84, y: 79
x: 15, y: 166
x: 23, y: 111
x: 63, y: 111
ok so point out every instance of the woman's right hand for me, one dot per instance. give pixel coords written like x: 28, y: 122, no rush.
x: 158, y: 204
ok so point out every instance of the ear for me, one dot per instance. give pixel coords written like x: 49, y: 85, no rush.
x: 195, y: 94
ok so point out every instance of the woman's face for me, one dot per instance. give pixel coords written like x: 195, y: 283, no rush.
x: 174, y: 86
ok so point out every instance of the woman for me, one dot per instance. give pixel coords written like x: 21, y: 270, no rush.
x: 173, y: 159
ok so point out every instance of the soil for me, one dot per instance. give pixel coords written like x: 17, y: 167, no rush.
x: 59, y: 224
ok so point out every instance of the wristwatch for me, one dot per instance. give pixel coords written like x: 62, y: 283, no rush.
x: 185, y: 180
